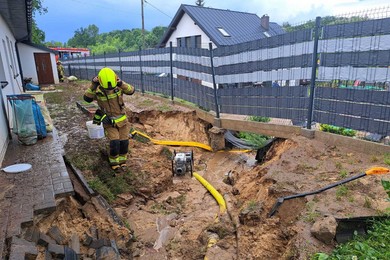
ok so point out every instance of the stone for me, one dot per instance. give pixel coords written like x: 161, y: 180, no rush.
x: 324, y: 229
x: 251, y: 215
x: 217, y: 138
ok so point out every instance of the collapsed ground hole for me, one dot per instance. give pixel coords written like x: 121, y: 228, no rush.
x: 174, y: 217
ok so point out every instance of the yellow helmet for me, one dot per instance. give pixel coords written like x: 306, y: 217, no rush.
x: 107, y: 78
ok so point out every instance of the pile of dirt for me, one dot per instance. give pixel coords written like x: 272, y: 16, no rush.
x: 174, y: 217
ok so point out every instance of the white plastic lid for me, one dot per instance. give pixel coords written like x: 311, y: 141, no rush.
x: 21, y: 167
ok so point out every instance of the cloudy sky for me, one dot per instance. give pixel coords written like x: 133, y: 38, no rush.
x: 64, y: 17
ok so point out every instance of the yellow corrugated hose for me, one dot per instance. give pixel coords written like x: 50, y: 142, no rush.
x: 218, y: 197
x: 221, y: 202
x: 174, y: 143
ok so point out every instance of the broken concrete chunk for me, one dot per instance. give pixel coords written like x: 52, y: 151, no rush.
x: 324, y: 229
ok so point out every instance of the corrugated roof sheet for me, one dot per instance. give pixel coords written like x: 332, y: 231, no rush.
x: 242, y: 27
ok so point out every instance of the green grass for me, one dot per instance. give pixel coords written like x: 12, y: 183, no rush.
x: 342, y: 191
x: 164, y: 108
x: 254, y: 139
x: 375, y: 245
x: 337, y: 130
x: 343, y: 173
x: 97, y: 185
x: 259, y: 119
x: 386, y: 159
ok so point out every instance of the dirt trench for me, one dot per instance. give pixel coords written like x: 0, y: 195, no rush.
x: 174, y: 217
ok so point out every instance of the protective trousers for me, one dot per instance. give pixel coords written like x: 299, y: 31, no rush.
x: 119, y: 143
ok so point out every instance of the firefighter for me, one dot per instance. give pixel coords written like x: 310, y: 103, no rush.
x: 108, y: 90
x: 61, y: 71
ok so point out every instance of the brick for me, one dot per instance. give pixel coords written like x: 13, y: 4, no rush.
x: 57, y: 251
x: 70, y: 254
x: 106, y: 252
x: 74, y: 243
x: 87, y: 240
x: 100, y: 243
x: 21, y: 247
x: 55, y: 233
x: 32, y: 234
x: 45, y: 240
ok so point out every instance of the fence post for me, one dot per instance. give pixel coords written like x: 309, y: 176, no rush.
x: 214, y: 84
x: 120, y: 63
x: 79, y: 65
x: 313, y: 72
x: 142, y: 75
x: 105, y: 63
x: 94, y: 64
x: 171, y: 64
x: 86, y: 68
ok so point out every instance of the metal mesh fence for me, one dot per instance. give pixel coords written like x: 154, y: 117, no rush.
x: 271, y: 77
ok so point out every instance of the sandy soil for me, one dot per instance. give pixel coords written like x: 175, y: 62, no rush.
x: 174, y: 217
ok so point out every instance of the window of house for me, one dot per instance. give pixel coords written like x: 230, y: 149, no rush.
x: 223, y: 32
x: 179, y: 42
x: 267, y: 34
x: 198, y: 42
x: 188, y: 42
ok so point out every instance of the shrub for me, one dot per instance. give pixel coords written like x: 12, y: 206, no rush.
x: 337, y: 130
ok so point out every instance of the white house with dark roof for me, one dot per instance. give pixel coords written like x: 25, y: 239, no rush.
x: 19, y: 58
x: 196, y: 26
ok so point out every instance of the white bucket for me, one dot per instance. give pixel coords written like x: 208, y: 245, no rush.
x: 95, y: 131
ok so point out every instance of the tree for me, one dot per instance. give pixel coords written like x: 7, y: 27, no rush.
x: 54, y: 44
x: 37, y: 35
x: 199, y: 2
x: 326, y: 20
x: 84, y: 37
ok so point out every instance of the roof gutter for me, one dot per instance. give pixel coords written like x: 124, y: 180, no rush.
x: 25, y: 38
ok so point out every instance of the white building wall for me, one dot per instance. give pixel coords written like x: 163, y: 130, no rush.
x: 186, y: 28
x: 9, y: 72
x: 28, y: 62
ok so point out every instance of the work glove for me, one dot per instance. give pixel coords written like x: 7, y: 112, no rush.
x: 119, y: 82
x: 98, y: 117
x: 107, y: 121
x: 95, y: 83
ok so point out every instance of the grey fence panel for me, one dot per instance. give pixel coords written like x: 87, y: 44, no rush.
x: 353, y: 109
x: 357, y: 29
x: 266, y: 65
x: 356, y: 59
x: 192, y: 67
x: 198, y: 94
x: 361, y: 124
x: 364, y: 110
x: 287, y: 102
x: 272, y: 42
